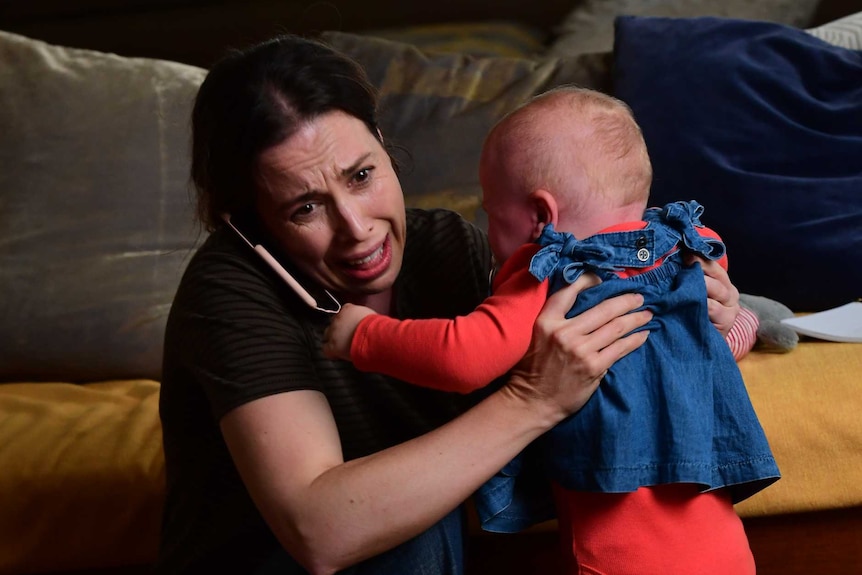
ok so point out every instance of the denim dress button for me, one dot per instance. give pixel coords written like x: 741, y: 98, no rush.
x: 643, y: 254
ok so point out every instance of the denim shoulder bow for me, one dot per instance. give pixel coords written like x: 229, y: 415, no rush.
x: 564, y: 258
x: 683, y: 217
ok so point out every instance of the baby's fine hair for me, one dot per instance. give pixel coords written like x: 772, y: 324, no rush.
x: 609, y: 150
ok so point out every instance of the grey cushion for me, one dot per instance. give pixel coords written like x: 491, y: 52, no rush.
x: 439, y: 107
x: 96, y: 222
x: 590, y: 26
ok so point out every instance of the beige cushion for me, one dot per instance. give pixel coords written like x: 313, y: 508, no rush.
x: 95, y: 215
x: 590, y: 26
x: 439, y: 107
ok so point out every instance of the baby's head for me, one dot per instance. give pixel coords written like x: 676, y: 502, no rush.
x: 572, y: 157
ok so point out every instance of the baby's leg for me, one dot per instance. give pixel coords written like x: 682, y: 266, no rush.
x: 663, y: 530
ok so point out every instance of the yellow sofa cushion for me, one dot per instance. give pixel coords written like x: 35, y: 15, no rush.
x: 809, y: 402
x: 83, y: 472
x: 82, y: 475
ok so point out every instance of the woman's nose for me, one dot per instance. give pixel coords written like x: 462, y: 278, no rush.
x: 352, y: 219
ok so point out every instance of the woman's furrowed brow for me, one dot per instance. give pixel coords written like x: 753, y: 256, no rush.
x: 305, y: 197
x: 351, y: 169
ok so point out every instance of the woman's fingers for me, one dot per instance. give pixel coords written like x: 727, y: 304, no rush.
x: 723, y: 302
x: 598, y: 327
x: 559, y: 304
x: 621, y: 346
x: 568, y: 357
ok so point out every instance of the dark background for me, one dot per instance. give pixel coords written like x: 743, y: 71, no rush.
x: 198, y: 31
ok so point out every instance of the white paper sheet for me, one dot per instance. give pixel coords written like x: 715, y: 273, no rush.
x: 843, y: 323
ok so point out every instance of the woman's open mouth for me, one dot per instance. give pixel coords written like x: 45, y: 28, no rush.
x: 372, y: 265
x: 369, y: 258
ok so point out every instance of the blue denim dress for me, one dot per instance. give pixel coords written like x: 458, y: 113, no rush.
x: 674, y: 411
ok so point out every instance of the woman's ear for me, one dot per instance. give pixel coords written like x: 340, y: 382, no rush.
x: 545, y: 210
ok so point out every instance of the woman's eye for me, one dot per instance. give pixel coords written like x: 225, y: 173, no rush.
x: 362, y: 175
x: 303, y: 211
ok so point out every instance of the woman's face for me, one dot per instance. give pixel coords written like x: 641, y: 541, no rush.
x: 330, y: 196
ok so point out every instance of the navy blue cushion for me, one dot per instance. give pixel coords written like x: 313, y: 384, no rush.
x: 762, y: 124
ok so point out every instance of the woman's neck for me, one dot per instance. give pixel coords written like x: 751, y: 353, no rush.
x: 379, y: 302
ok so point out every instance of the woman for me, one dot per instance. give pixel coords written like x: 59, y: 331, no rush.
x: 277, y: 458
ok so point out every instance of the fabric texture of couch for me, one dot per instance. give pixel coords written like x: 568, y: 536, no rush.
x: 96, y: 226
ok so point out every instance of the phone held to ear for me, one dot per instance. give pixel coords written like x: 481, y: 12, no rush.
x: 247, y: 229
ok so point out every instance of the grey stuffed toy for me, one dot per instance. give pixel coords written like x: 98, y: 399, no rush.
x: 772, y: 335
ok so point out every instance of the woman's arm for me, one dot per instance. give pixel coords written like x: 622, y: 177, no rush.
x: 330, y: 514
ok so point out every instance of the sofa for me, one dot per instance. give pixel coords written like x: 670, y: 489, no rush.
x: 751, y: 108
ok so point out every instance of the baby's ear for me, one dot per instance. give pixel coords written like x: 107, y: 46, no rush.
x: 772, y: 335
x: 545, y: 210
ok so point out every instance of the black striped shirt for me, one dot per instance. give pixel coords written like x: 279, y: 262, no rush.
x: 237, y: 333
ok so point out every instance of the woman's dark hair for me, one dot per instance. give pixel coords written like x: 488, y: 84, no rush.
x: 256, y: 98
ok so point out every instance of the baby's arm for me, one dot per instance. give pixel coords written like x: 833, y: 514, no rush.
x: 743, y: 333
x: 461, y: 354
x: 339, y: 334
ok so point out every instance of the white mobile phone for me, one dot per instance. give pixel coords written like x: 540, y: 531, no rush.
x: 250, y: 233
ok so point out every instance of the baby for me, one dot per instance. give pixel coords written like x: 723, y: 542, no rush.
x: 646, y: 474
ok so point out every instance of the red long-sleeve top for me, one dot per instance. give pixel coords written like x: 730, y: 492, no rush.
x: 468, y: 352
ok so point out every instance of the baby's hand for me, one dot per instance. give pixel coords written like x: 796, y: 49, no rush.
x: 339, y: 334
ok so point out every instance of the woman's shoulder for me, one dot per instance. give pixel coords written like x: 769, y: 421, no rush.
x: 225, y: 273
x: 447, y: 262
x: 219, y: 248
x: 218, y: 261
x: 443, y: 224
x: 444, y: 234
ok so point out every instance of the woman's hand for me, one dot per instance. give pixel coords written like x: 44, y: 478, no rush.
x: 723, y: 296
x: 568, y: 357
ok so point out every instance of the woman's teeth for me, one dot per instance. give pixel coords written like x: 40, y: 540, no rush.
x: 376, y: 253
